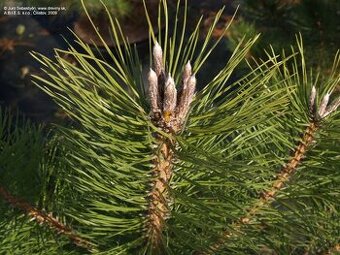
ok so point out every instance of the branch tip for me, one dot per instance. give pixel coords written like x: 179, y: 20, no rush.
x: 165, y: 106
x: 324, y: 109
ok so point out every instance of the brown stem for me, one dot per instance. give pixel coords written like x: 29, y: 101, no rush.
x: 267, y: 197
x: 159, y: 196
x: 43, y: 218
x: 333, y: 250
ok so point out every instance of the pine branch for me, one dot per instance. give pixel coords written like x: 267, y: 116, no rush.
x: 286, y: 171
x: 42, y: 218
x: 168, y: 114
x: 110, y: 159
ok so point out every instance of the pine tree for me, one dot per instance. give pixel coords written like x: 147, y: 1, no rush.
x: 153, y: 166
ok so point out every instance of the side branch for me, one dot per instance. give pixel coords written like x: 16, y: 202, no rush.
x: 46, y: 219
x: 317, y: 115
x: 267, y: 197
x: 289, y: 169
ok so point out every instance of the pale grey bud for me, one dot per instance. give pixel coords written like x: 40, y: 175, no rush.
x: 333, y: 107
x: 158, y: 59
x: 192, y: 86
x: 312, y: 99
x: 186, y: 74
x: 184, y: 91
x: 153, y: 91
x: 186, y: 98
x: 170, y: 98
x: 323, y: 105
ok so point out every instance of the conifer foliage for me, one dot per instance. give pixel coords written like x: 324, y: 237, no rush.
x: 154, y: 166
x: 279, y: 20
